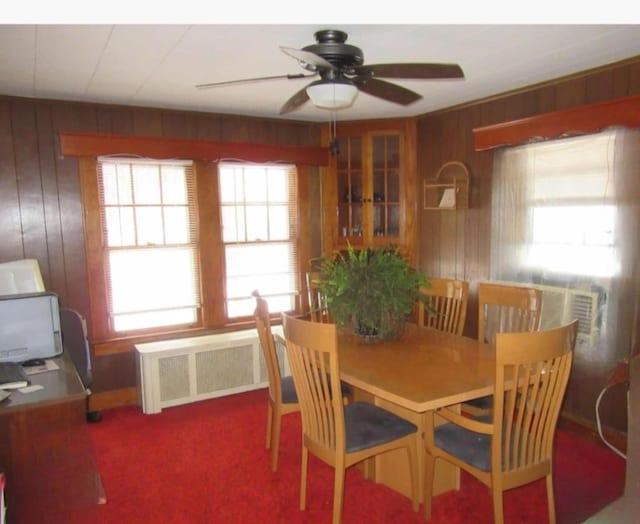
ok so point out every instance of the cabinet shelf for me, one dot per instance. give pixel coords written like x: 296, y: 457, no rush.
x: 369, y: 196
x: 449, y: 189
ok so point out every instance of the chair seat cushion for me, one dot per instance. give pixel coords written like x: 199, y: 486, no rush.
x: 289, y: 395
x: 482, y: 402
x: 345, y: 389
x: 469, y: 446
x: 288, y: 391
x: 367, y: 425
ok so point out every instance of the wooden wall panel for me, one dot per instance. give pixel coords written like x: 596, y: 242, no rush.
x: 208, y: 128
x: 147, y: 122
x: 51, y: 201
x: 80, y: 117
x: 462, y: 250
x: 41, y: 212
x: 30, y: 197
x: 10, y: 224
x: 121, y: 121
x: 174, y: 124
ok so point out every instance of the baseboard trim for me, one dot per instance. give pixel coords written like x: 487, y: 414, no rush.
x: 588, y: 429
x: 113, y: 399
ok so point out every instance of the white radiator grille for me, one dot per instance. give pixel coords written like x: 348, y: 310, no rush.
x: 174, y: 377
x: 222, y: 369
x: 175, y: 372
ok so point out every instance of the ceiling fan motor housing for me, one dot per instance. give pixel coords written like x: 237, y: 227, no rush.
x: 332, y: 47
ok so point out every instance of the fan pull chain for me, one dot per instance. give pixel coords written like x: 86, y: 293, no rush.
x: 333, y: 134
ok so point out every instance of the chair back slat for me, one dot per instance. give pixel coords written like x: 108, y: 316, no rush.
x: 533, y: 371
x: 267, y: 343
x: 446, y: 308
x: 318, y: 310
x: 507, y: 309
x: 313, y: 359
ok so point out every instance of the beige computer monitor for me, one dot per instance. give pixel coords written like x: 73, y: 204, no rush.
x: 20, y: 276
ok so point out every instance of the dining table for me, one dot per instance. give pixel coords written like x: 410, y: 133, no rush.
x: 422, y: 370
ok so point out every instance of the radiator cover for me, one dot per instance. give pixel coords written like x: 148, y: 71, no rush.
x: 175, y: 372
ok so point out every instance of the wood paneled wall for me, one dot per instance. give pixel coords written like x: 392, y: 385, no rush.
x: 40, y: 205
x: 41, y: 214
x: 456, y: 243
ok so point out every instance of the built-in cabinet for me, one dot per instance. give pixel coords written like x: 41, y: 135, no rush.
x: 369, y: 189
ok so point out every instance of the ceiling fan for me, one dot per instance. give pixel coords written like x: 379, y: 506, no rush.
x: 342, y: 74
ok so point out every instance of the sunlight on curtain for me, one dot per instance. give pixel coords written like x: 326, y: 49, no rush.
x: 565, y: 218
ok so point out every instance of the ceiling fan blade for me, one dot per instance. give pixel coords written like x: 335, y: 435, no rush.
x: 409, y: 71
x: 251, y: 80
x: 386, y: 90
x: 295, y: 101
x: 309, y: 60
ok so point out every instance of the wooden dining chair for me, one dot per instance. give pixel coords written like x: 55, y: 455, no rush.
x: 282, y: 393
x: 318, y: 310
x: 516, y: 446
x: 503, y: 309
x: 446, y: 305
x: 506, y: 308
x: 339, y: 435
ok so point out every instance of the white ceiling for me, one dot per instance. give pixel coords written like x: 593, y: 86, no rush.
x: 159, y: 65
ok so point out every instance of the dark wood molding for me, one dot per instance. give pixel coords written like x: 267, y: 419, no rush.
x: 574, y: 121
x: 113, y: 399
x: 93, y: 145
x: 589, y: 430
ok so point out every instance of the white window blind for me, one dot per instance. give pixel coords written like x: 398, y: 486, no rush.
x: 150, y: 242
x: 259, y: 232
x: 556, y: 204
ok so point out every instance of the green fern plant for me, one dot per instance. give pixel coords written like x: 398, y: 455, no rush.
x: 371, y: 291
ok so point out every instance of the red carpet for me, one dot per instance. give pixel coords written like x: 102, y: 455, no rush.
x: 206, y: 463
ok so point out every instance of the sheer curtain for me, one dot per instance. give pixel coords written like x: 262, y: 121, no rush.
x: 565, y: 218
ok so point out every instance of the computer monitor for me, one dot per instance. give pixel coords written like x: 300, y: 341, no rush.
x: 20, y: 276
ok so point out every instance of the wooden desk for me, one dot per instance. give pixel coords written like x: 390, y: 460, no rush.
x: 424, y: 370
x: 46, y: 451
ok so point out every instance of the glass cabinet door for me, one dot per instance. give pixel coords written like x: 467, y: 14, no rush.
x: 369, y: 196
x: 350, y: 190
x: 386, y: 186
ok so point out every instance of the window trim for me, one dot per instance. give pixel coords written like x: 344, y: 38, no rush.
x: 583, y: 119
x: 211, y: 257
x: 192, y: 244
x: 293, y: 209
x: 95, y: 144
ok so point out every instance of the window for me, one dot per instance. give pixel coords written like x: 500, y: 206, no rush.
x: 571, y: 198
x: 555, y: 207
x: 259, y: 233
x: 564, y: 219
x: 149, y: 238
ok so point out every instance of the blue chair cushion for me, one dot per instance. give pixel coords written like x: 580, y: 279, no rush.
x: 469, y: 446
x: 345, y: 389
x: 288, y: 391
x: 289, y: 395
x: 367, y: 425
x: 482, y: 402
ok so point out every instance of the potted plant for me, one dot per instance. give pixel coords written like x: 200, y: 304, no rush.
x: 371, y: 291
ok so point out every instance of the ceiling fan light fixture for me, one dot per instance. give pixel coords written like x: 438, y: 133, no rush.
x: 332, y: 94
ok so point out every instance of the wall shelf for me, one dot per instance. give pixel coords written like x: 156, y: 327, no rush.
x: 449, y: 189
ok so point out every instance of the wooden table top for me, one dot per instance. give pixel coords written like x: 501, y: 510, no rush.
x: 60, y: 385
x: 425, y: 369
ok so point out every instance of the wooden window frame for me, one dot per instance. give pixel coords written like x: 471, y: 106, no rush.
x: 190, y: 243
x: 89, y: 147
x: 292, y: 210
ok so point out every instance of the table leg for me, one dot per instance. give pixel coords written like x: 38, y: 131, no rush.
x: 392, y: 469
